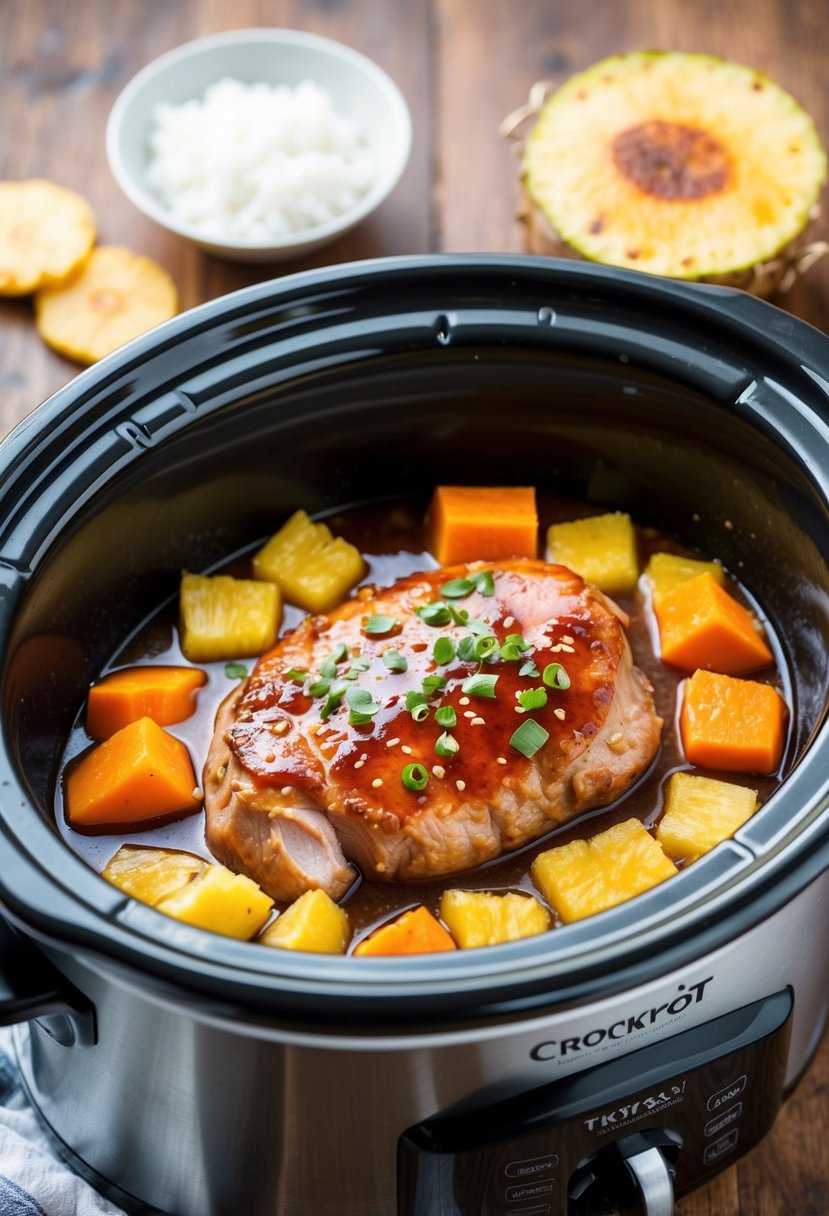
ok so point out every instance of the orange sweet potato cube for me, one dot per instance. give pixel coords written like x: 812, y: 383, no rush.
x: 732, y: 724
x: 482, y: 523
x: 701, y: 625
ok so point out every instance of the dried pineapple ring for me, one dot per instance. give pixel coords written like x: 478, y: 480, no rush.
x: 45, y: 232
x: 114, y: 296
x: 674, y: 163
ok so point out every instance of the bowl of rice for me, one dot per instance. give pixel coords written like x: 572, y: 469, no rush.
x: 261, y: 144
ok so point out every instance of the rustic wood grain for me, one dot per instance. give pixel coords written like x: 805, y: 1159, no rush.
x: 463, y: 65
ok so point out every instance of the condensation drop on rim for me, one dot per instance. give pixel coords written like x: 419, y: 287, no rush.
x: 546, y: 315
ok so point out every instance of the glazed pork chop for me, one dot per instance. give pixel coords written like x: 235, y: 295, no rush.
x: 333, y: 752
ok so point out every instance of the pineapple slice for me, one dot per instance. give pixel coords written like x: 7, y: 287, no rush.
x: 151, y: 874
x: 223, y: 617
x: 221, y: 902
x: 312, y: 922
x: 678, y: 164
x: 480, y: 918
x: 114, y: 296
x: 667, y: 571
x: 700, y: 812
x: 602, y: 549
x: 314, y: 569
x: 588, y: 876
x: 46, y: 231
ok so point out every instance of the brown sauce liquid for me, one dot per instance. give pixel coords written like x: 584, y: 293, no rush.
x: 391, y: 539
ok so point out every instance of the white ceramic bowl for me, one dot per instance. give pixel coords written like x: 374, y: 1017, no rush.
x: 360, y: 91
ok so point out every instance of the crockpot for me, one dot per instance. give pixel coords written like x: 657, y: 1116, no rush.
x: 604, y: 1067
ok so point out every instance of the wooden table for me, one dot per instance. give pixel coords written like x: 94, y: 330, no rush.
x: 462, y: 65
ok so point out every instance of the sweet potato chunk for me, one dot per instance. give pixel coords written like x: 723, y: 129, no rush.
x: 701, y: 625
x: 486, y: 523
x: 415, y: 932
x: 732, y: 724
x: 165, y: 694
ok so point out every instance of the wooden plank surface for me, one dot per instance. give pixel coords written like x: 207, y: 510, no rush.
x: 463, y: 65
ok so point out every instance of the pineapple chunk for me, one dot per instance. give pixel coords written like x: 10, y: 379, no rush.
x: 700, y: 812
x: 314, y: 569
x: 313, y: 922
x: 666, y: 571
x: 151, y: 874
x: 602, y: 549
x: 588, y: 876
x: 221, y: 902
x: 479, y: 918
x: 224, y: 617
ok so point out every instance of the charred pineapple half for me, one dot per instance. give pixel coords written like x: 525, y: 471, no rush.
x: 678, y: 164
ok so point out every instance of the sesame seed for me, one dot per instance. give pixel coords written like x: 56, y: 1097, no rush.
x: 286, y: 790
x: 477, y: 722
x: 616, y: 742
x: 438, y: 771
x: 560, y: 714
x: 406, y: 749
x: 392, y: 742
x: 280, y: 727
x: 460, y: 785
x: 509, y: 621
x: 469, y: 713
x: 568, y: 641
x: 220, y: 772
x: 359, y: 763
x: 501, y: 760
x: 463, y: 700
x: 519, y: 709
x: 377, y: 782
x: 567, y: 649
x: 197, y: 794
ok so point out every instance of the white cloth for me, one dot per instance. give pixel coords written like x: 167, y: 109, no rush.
x: 34, y: 1181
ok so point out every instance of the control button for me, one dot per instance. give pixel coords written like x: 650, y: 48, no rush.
x: 714, y: 1126
x: 534, y: 1168
x: 653, y: 1177
x: 727, y: 1095
x: 528, y: 1190
x: 720, y: 1148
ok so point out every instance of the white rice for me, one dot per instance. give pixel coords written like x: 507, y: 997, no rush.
x: 256, y: 162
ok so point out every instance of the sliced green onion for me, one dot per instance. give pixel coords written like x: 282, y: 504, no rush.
x: 339, y: 653
x: 528, y: 669
x: 319, y: 688
x: 432, y: 684
x: 478, y: 627
x: 413, y: 699
x: 529, y: 738
x: 446, y: 717
x: 379, y: 624
x: 395, y: 661
x: 328, y: 669
x: 359, y: 664
x: 237, y: 671
x: 459, y: 615
x: 434, y: 614
x: 486, y: 647
x: 457, y: 589
x: 414, y: 777
x: 443, y: 650
x: 297, y: 674
x: 484, y: 582
x: 446, y: 745
x: 533, y: 698
x: 362, y: 706
x: 335, y: 695
x: 466, y: 648
x: 519, y: 641
x: 554, y: 676
x: 420, y: 713
x: 480, y: 685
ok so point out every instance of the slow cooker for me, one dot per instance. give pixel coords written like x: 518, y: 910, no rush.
x: 606, y: 1067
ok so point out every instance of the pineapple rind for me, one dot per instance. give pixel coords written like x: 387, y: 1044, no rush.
x: 588, y: 876
x: 778, y: 166
x: 313, y: 569
x: 700, y: 812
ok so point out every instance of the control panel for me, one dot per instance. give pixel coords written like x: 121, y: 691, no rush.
x: 620, y: 1139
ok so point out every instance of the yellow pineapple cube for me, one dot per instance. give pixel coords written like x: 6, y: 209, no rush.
x: 314, y: 569
x: 666, y: 571
x: 151, y: 874
x: 225, y: 618
x: 221, y: 902
x: 312, y: 922
x: 588, y: 876
x: 480, y: 918
x: 602, y: 549
x: 700, y: 812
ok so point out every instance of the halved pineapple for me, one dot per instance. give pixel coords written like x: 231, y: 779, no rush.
x: 481, y: 918
x: 700, y: 812
x: 221, y: 617
x: 114, y: 296
x: 45, y: 232
x: 314, y: 569
x: 678, y: 164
